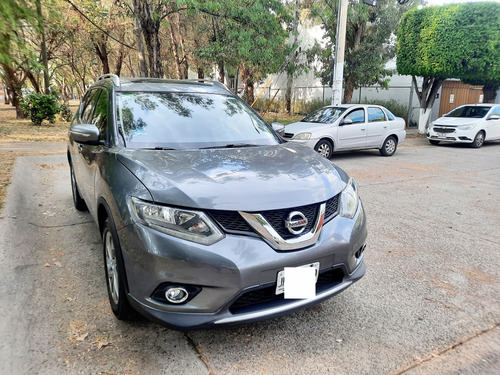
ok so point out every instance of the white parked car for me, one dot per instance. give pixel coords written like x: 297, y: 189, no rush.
x: 471, y: 123
x: 349, y: 127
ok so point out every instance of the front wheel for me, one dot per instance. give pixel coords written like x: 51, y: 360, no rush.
x: 389, y: 146
x: 115, y: 274
x: 324, y: 148
x: 478, y: 140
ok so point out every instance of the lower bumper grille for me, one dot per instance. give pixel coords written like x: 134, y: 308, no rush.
x: 266, y: 298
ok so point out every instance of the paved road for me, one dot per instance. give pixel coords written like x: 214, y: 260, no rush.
x: 430, y: 301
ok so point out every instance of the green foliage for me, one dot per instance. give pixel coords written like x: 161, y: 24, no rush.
x: 452, y: 41
x: 244, y: 33
x: 39, y: 107
x: 368, y: 41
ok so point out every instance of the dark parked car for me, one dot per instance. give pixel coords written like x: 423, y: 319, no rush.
x: 201, y: 205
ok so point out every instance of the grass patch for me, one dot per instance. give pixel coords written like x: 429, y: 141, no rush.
x: 282, y: 117
x: 12, y: 130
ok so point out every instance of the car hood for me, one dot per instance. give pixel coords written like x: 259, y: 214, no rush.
x: 455, y: 121
x: 247, y: 179
x: 298, y: 127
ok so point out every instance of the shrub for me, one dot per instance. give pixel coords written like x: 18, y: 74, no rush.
x: 39, y: 107
x: 66, y: 114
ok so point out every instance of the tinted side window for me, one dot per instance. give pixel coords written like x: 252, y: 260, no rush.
x: 100, y: 116
x: 357, y: 116
x: 89, y: 104
x: 375, y: 114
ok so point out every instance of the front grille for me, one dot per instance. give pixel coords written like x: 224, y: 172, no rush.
x: 332, y: 208
x: 443, y: 130
x: 265, y: 297
x: 233, y: 222
x: 277, y: 219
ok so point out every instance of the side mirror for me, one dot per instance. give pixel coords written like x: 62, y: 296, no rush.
x: 87, y: 134
x: 346, y: 121
x: 278, y: 127
x: 494, y: 117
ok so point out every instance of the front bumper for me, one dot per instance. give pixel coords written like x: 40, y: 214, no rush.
x: 237, y: 275
x: 451, y: 135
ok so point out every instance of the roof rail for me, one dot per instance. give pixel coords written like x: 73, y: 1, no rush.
x: 211, y: 81
x: 114, y: 77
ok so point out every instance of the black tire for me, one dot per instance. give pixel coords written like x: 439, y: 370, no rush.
x: 115, y: 274
x: 324, y: 148
x: 78, y: 201
x: 478, y: 140
x: 389, y: 146
x: 433, y: 142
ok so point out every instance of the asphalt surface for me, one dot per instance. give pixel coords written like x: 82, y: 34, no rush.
x: 429, y: 303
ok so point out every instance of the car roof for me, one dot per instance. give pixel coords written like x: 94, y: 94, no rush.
x: 141, y: 84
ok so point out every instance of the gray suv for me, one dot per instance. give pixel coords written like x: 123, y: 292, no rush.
x: 202, y: 206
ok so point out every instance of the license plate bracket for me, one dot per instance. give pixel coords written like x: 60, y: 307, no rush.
x: 280, y: 279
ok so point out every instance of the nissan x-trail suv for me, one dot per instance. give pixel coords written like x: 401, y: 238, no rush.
x: 201, y: 205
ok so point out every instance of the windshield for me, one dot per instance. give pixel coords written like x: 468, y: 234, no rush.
x: 325, y: 115
x: 187, y: 121
x: 469, y: 111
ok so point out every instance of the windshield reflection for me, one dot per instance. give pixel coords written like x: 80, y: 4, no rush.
x: 186, y: 121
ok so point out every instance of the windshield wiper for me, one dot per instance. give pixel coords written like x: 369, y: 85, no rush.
x: 231, y: 145
x: 159, y: 148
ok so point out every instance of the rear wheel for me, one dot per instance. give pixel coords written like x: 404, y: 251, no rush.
x: 433, y: 142
x: 77, y: 199
x: 115, y: 274
x: 389, y: 147
x: 478, y: 140
x: 324, y: 148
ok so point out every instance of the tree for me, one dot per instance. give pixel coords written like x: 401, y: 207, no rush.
x: 369, y: 44
x: 453, y: 41
x: 247, y: 35
x: 13, y: 49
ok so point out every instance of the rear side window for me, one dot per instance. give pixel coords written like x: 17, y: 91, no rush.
x: 375, y: 114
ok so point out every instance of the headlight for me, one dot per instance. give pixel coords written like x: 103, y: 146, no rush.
x: 466, y: 127
x: 186, y: 224
x: 302, y: 136
x: 349, y: 200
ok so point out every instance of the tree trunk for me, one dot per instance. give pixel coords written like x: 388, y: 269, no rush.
x: 426, y: 97
x: 490, y: 93
x: 348, y: 90
x: 102, y: 52
x: 43, y: 47
x: 247, y: 77
x: 201, y: 73
x: 150, y: 29
x: 14, y: 85
x: 289, y: 77
x: 143, y: 68
x: 175, y: 50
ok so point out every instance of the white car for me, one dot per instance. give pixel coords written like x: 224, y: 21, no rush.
x: 349, y: 127
x: 471, y: 123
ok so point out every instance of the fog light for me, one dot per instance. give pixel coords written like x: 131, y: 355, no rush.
x: 176, y: 295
